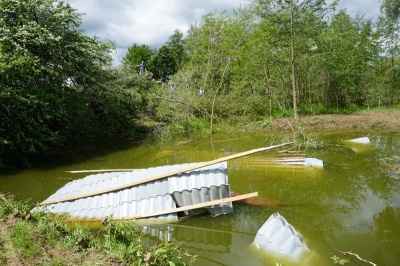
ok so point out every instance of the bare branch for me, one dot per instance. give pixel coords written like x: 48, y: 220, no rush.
x: 348, y: 253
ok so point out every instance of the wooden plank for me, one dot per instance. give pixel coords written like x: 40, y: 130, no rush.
x: 391, y: 166
x: 101, y: 170
x: 191, y: 207
x: 135, y: 169
x: 157, y: 177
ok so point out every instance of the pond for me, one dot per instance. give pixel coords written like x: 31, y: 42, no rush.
x: 351, y: 205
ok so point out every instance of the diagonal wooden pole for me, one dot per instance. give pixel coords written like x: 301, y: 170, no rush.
x: 154, y: 178
x: 184, y: 208
x: 191, y: 207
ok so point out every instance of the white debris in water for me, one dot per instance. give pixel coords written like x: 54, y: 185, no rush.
x: 313, y: 162
x: 363, y: 140
x: 359, y: 145
x: 278, y: 236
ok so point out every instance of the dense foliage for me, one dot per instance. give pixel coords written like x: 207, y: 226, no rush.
x: 282, y: 58
x: 161, y: 63
x: 54, y: 91
x: 269, y: 59
x: 137, y: 54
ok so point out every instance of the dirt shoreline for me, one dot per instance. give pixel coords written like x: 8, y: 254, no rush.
x: 364, y: 120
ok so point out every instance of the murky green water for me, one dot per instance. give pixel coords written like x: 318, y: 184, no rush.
x: 353, y: 204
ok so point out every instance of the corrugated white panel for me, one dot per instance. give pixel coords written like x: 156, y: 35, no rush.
x: 109, y: 180
x: 277, y: 235
x: 204, y: 194
x: 198, y: 179
x: 139, y: 200
x: 203, y: 177
x: 92, y: 208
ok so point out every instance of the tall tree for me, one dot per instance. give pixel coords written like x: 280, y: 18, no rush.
x: 203, y: 42
x: 214, y: 48
x: 391, y: 9
x: 290, y: 29
x: 163, y: 64
x: 348, y: 48
x: 292, y: 62
x: 48, y: 68
x: 136, y: 54
x: 389, y: 26
x: 177, y: 45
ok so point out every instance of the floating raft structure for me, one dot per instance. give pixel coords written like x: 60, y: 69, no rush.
x: 157, y: 193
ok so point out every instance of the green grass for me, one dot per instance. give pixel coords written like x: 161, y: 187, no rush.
x: 3, y: 250
x: 22, y: 238
x: 382, y: 109
x: 41, y: 240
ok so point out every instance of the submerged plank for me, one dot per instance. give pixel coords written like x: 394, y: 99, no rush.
x: 157, y: 177
x: 391, y: 166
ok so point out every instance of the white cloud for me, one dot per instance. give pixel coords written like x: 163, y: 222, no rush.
x: 369, y: 8
x: 148, y: 22
x: 151, y: 22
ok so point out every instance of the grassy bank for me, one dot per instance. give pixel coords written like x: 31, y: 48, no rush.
x: 36, y: 239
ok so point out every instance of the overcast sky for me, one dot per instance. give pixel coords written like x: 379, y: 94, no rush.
x: 151, y: 22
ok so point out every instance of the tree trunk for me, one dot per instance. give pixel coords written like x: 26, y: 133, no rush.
x: 292, y: 56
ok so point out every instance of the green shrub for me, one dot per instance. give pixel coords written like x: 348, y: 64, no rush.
x: 124, y: 243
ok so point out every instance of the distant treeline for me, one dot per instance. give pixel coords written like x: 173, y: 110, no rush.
x: 269, y: 59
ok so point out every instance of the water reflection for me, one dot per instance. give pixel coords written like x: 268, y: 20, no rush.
x: 214, y: 246
x: 388, y: 234
x: 351, y: 204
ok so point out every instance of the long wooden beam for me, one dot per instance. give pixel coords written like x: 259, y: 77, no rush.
x: 154, y: 178
x: 191, y: 207
x: 272, y: 159
x: 100, y: 171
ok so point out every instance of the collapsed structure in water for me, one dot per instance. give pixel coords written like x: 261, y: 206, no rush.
x: 153, y: 193
x: 158, y: 195
x: 157, y: 200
